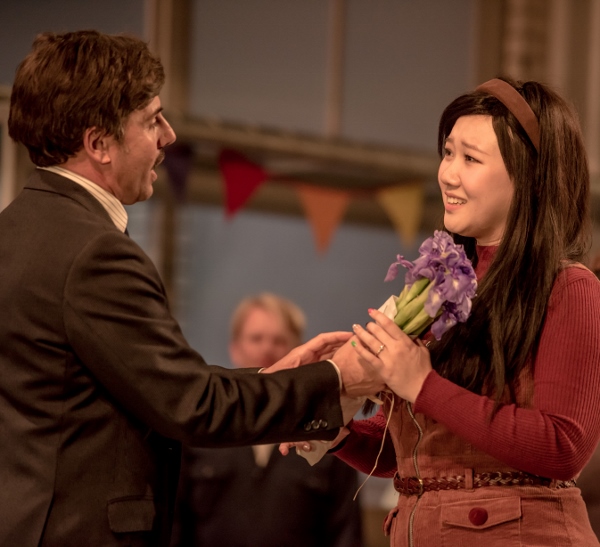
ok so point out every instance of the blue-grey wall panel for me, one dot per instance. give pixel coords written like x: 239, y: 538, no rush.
x: 261, y: 61
x: 265, y: 62
x: 405, y: 62
x: 22, y: 20
x: 225, y: 260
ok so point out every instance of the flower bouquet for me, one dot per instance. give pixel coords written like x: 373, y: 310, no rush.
x: 438, y: 289
x: 439, y: 286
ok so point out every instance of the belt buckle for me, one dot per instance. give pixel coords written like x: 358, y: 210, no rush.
x: 421, y: 485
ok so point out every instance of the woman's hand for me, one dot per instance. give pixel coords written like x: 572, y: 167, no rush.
x: 319, y: 348
x: 402, y: 363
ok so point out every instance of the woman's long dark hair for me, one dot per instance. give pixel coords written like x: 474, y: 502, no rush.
x: 548, y: 224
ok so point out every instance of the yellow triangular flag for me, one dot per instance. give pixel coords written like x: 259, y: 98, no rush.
x: 324, y: 210
x: 404, y: 206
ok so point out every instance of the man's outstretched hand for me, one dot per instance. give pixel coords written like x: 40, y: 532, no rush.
x: 319, y: 348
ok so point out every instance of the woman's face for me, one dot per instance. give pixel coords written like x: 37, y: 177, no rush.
x: 476, y: 188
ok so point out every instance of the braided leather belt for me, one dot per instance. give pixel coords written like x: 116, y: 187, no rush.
x: 413, y: 486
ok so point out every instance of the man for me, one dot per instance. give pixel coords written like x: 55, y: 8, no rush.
x: 259, y: 497
x: 98, y: 386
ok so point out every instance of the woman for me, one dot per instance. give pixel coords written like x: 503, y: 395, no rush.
x: 489, y: 426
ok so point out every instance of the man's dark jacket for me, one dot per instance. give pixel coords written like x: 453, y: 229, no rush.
x: 98, y: 386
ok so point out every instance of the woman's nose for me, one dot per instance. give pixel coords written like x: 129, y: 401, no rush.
x: 448, y: 174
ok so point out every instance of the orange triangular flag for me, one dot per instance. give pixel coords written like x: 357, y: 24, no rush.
x: 404, y: 206
x: 324, y: 210
x: 241, y: 178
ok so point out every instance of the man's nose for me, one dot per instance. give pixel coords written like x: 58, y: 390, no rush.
x: 168, y: 137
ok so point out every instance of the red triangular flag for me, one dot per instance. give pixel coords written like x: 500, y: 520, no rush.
x: 241, y: 178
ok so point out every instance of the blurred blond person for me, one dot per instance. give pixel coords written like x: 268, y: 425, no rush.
x: 250, y: 496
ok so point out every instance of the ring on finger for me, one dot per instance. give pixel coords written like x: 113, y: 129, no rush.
x: 381, y: 348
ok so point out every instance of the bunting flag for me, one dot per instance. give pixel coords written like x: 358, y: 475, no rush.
x: 324, y: 209
x: 178, y: 162
x: 404, y: 206
x: 241, y: 177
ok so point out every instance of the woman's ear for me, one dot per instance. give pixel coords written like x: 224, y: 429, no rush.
x: 96, y: 144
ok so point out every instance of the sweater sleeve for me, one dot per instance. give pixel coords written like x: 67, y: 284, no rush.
x: 557, y: 436
x: 361, y: 447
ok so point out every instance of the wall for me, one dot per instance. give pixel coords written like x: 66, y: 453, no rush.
x: 265, y: 62
x: 22, y: 20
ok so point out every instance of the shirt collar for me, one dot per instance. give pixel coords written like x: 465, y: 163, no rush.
x: 110, y: 203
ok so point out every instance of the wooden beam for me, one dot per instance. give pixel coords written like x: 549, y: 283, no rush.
x: 382, y: 160
x: 168, y: 35
x: 205, y: 186
x: 334, y: 99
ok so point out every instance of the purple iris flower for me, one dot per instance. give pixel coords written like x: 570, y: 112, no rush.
x: 452, y: 285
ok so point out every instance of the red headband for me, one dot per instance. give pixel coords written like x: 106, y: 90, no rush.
x: 519, y: 107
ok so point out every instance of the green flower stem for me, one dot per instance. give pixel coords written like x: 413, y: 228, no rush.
x: 418, y: 323
x: 422, y: 329
x: 407, y: 295
x: 411, y: 309
x: 401, y: 301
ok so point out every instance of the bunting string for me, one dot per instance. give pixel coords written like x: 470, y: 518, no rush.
x: 324, y: 207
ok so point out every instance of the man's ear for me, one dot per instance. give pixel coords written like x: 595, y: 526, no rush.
x: 96, y: 144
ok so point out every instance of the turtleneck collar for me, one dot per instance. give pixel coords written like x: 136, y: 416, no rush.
x: 485, y: 255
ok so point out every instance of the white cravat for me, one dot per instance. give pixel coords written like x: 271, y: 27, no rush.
x: 262, y: 454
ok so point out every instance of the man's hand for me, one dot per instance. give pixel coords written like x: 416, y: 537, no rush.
x: 313, y: 451
x: 359, y: 377
x: 319, y: 348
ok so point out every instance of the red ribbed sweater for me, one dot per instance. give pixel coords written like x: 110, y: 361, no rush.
x: 557, y: 436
